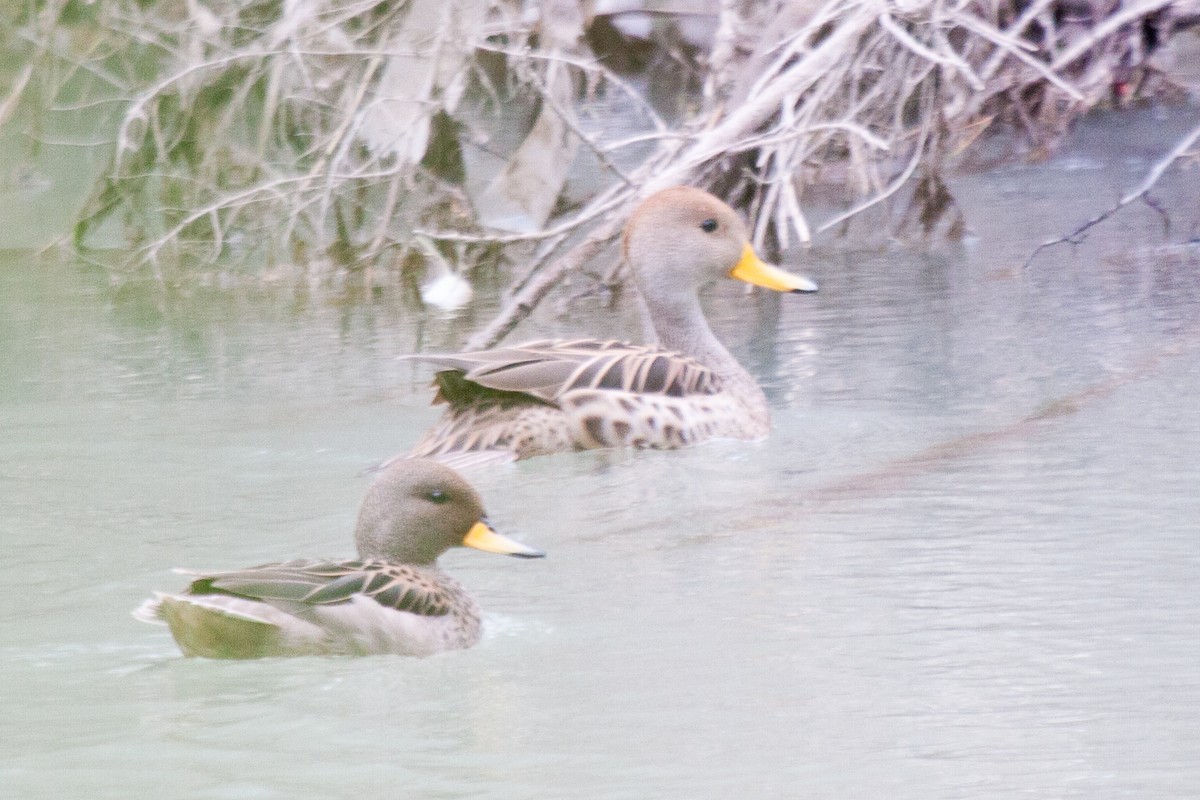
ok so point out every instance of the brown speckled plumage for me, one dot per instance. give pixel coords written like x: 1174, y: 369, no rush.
x: 550, y: 396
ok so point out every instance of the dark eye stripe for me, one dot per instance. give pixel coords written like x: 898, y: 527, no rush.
x: 438, y: 496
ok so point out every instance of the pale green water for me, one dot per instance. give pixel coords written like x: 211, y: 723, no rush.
x: 911, y: 590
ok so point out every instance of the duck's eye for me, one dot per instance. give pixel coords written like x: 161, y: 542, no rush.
x: 438, y: 496
x: 708, y: 226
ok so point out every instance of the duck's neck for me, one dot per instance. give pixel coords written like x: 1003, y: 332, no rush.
x: 681, y: 326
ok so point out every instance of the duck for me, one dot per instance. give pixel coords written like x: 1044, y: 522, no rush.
x: 393, y: 598
x: 555, y: 395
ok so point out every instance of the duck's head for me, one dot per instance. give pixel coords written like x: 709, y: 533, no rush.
x: 418, y: 509
x: 682, y: 238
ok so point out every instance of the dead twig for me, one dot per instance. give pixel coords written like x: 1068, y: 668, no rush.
x: 535, y: 290
x: 1076, y: 236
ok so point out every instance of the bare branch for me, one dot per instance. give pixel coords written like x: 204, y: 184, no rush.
x: 319, y: 123
x: 1107, y: 27
x: 533, y: 292
x: 1180, y: 149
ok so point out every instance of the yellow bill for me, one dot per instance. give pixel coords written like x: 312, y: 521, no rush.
x: 752, y: 269
x: 483, y: 537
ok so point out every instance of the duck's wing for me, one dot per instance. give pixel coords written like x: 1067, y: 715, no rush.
x: 319, y: 583
x: 522, y: 401
x: 543, y: 371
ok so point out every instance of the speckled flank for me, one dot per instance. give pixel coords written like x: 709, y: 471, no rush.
x: 661, y: 423
x: 524, y: 430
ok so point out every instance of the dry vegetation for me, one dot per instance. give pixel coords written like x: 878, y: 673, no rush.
x: 374, y: 135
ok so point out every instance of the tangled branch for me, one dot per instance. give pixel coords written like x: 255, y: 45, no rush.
x: 330, y: 134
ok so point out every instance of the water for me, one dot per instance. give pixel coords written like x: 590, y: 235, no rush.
x: 964, y: 565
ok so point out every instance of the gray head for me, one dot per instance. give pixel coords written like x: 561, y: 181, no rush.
x: 682, y: 238
x: 417, y: 509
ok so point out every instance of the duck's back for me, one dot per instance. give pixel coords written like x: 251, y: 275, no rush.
x: 303, y: 608
x: 553, y: 396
